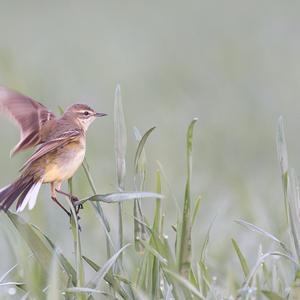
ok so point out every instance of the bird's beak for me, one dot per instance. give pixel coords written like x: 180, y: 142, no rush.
x: 100, y: 114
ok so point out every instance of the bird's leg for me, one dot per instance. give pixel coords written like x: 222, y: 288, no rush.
x: 72, y: 198
x: 54, y: 198
x: 60, y: 205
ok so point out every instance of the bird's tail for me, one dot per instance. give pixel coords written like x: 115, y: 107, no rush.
x: 25, y: 189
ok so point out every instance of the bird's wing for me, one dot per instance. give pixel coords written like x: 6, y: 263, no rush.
x: 29, y: 115
x: 52, y: 144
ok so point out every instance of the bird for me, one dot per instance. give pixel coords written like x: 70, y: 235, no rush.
x: 60, y: 146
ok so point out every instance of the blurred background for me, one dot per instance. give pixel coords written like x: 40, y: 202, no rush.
x: 233, y: 64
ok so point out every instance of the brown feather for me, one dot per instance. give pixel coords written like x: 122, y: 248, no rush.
x: 31, y: 116
x: 17, y: 189
x: 60, y: 141
x: 24, y: 193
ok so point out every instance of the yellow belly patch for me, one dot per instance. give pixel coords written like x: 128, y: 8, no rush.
x: 63, y: 166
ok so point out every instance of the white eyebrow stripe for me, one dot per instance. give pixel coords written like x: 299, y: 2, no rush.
x: 84, y: 110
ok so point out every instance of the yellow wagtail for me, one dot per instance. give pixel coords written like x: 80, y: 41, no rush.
x: 61, y: 147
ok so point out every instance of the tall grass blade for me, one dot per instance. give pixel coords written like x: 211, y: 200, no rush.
x: 120, y: 138
x: 293, y: 203
x: 263, y: 232
x: 93, y: 187
x: 283, y: 160
x: 158, y: 214
x: 140, y: 166
x: 111, y: 280
x: 205, y: 278
x: 120, y: 153
x: 241, y: 257
x: 77, y: 243
x: 60, y: 256
x: 105, y: 268
x: 53, y: 292
x: 139, y: 182
x: 203, y: 252
x: 40, y: 251
x: 185, y: 238
x: 186, y: 284
x: 141, y: 147
x: 98, y: 209
x: 156, y: 235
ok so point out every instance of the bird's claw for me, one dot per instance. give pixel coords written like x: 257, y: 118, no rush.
x: 75, y: 199
x: 78, y: 208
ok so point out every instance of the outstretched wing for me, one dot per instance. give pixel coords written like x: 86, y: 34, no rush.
x: 29, y: 115
x: 59, y: 141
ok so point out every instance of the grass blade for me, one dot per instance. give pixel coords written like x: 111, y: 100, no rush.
x: 40, y: 251
x: 77, y: 243
x: 293, y: 203
x: 141, y: 147
x: 185, y: 283
x: 157, y: 215
x: 76, y: 290
x: 120, y: 138
x: 155, y: 253
x: 139, y: 182
x: 263, y: 232
x: 196, y: 209
x: 241, y: 257
x: 103, y: 220
x: 105, y: 268
x: 120, y: 153
x: 185, y: 248
x: 120, y: 197
x: 93, y: 187
x: 13, y: 268
x: 111, y: 280
x: 260, y: 262
x: 62, y: 259
x: 283, y: 160
x: 11, y: 283
x: 53, y: 292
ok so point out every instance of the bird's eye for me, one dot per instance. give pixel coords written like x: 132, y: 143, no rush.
x: 86, y: 113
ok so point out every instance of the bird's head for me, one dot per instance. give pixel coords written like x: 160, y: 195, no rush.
x: 83, y: 114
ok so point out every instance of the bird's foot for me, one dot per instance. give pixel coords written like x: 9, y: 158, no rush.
x: 77, y: 208
x: 75, y: 199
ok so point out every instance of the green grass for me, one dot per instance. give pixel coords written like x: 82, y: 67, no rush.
x: 160, y: 269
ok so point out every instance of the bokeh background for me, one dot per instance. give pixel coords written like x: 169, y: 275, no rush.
x: 233, y: 64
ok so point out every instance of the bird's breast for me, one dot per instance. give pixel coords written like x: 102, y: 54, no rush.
x: 63, y: 164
